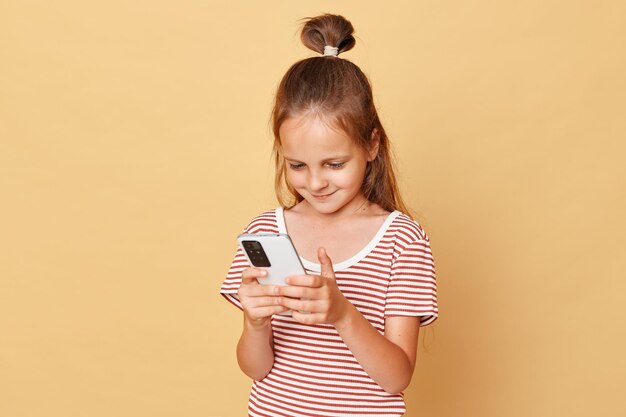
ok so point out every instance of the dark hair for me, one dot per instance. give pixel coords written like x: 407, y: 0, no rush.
x: 336, y: 90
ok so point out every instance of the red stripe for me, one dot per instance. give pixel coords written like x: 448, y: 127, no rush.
x: 365, y: 397
x: 372, y: 409
x: 308, y: 356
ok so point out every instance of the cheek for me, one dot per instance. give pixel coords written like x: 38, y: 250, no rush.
x: 351, y: 178
x: 294, y: 178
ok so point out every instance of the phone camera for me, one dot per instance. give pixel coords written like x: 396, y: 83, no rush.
x: 256, y: 253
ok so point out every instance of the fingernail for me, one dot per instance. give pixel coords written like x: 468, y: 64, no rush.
x: 263, y: 272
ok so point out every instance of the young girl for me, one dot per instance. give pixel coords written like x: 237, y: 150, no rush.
x: 349, y: 346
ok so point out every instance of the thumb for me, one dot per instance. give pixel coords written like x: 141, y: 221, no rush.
x: 326, y: 265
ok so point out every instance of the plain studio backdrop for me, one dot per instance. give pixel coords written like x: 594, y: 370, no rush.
x: 135, y: 146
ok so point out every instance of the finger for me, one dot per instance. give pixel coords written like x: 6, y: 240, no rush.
x: 258, y: 290
x: 326, y: 265
x: 307, y: 318
x: 260, y: 302
x: 300, y: 305
x: 296, y: 291
x: 305, y: 280
x: 268, y: 311
x: 250, y: 275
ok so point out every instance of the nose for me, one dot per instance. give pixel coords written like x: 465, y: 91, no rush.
x: 317, y: 180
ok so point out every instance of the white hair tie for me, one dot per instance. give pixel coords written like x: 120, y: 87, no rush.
x: 331, y: 51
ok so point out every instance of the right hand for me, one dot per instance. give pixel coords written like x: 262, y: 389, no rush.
x: 259, y: 302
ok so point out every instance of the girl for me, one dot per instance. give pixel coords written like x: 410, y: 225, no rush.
x: 353, y: 351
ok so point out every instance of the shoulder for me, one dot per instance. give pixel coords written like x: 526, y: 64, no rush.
x: 409, y: 238
x: 266, y: 222
x: 407, y: 230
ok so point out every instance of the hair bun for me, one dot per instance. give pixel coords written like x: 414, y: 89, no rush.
x: 328, y: 30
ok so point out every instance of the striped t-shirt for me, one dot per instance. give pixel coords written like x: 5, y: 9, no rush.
x: 314, y: 372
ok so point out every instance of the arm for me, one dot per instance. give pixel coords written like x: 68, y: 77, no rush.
x: 388, y: 359
x: 255, y: 350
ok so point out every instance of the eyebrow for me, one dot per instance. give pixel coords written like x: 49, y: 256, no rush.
x: 335, y: 158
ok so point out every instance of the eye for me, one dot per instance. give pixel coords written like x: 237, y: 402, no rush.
x: 336, y: 165
x: 296, y: 166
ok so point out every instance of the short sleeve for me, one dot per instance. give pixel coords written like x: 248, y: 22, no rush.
x: 413, y: 290
x: 231, y: 284
x: 263, y: 223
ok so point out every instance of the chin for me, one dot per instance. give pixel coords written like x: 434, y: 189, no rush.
x: 322, y: 206
x: 326, y: 208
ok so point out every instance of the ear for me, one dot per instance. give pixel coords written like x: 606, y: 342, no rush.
x: 374, y: 145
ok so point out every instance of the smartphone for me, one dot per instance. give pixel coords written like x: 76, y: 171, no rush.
x: 273, y: 252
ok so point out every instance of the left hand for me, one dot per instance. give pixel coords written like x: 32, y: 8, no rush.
x: 315, y: 299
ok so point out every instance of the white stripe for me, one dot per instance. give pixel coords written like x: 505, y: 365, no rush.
x: 396, y: 277
x: 329, y: 404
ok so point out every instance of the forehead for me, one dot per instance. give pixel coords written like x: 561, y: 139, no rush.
x: 309, y: 136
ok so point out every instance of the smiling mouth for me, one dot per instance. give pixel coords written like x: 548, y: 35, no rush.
x: 322, y: 196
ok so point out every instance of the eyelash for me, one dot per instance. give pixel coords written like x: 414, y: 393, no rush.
x: 332, y: 165
x: 336, y: 165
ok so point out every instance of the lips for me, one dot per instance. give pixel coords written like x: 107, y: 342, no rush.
x: 322, y: 196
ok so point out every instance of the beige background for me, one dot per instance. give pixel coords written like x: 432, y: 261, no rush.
x: 134, y: 146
